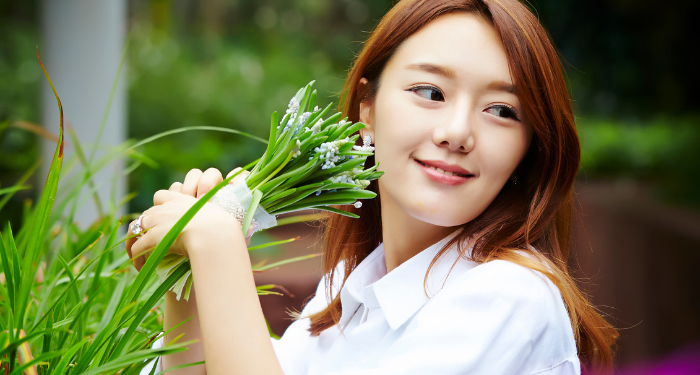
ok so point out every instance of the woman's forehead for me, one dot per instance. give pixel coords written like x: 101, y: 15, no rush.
x: 456, y: 45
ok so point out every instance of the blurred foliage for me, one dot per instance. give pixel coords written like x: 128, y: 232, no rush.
x: 232, y: 62
x: 626, y: 59
x: 20, y: 84
x: 663, y: 152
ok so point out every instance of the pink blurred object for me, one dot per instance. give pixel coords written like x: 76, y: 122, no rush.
x: 685, y: 361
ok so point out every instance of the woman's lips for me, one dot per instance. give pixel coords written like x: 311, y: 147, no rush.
x: 440, y: 177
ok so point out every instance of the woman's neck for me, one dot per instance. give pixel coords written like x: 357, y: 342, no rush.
x: 405, y: 236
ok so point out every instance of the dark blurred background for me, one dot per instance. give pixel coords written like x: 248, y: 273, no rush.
x: 632, y: 70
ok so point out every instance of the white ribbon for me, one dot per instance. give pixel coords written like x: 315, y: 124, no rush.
x: 235, y: 199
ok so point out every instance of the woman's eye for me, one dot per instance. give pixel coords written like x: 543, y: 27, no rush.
x: 429, y: 92
x: 503, y: 111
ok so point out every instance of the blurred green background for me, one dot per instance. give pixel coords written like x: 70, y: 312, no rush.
x: 632, y: 72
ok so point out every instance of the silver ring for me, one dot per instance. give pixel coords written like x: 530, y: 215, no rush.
x: 137, y: 226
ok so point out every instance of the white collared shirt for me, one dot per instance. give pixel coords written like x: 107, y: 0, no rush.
x: 491, y: 318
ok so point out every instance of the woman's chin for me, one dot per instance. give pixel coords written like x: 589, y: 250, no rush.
x: 437, y: 216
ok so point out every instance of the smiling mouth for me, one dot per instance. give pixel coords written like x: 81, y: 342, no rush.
x: 443, y: 171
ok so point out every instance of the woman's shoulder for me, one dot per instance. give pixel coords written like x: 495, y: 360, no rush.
x: 513, y: 305
x: 531, y: 295
x: 509, y: 281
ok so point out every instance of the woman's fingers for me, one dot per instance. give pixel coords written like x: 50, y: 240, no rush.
x: 198, y: 183
x: 240, y: 175
x: 210, y: 178
x: 176, y: 187
x: 232, y: 172
x: 189, y: 187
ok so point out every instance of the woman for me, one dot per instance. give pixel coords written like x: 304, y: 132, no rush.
x: 459, y: 266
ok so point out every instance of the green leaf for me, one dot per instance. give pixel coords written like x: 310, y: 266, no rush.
x: 299, y: 219
x: 337, y: 211
x: 275, y: 243
x: 318, y: 115
x: 39, y: 359
x: 287, y: 261
x: 277, y: 196
x: 189, y: 128
x: 43, y: 212
x: 13, y: 344
x: 145, y: 308
x: 13, y: 189
x: 62, y: 366
x: 331, y: 120
x: 7, y: 268
x: 291, y: 176
x: 138, y: 357
x: 180, y: 366
x: 345, y: 166
x: 272, y: 138
x: 278, y: 161
x: 352, y: 129
x: 257, y: 195
x: 335, y: 134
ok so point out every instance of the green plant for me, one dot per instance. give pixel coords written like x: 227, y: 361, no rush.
x: 309, y: 163
x: 70, y: 302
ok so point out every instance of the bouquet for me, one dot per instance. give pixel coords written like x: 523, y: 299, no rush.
x: 311, y: 161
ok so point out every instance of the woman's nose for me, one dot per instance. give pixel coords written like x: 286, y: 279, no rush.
x: 456, y: 132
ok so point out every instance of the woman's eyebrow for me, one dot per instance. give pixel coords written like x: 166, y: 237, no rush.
x: 432, y: 68
x: 502, y: 86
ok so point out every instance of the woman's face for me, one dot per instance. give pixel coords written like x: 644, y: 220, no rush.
x: 446, y: 100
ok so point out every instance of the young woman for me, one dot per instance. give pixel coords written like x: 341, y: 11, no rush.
x: 459, y: 266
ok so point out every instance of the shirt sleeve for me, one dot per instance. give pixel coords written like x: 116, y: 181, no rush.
x: 499, y: 318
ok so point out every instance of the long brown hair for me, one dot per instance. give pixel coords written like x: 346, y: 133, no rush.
x: 535, y: 213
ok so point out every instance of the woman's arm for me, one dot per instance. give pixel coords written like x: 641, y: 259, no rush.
x: 196, y: 184
x: 230, y: 316
x: 176, y: 312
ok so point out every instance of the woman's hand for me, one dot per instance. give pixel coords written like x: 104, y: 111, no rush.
x: 169, y: 207
x: 171, y: 204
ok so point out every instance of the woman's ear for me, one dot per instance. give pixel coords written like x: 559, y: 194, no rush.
x: 366, y: 110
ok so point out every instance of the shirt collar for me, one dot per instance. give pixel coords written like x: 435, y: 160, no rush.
x: 400, y: 293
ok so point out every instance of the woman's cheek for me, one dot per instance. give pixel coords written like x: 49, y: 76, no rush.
x: 499, y: 158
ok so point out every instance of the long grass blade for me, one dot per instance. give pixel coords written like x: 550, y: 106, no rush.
x: 43, y: 212
x: 286, y: 261
x: 189, y: 128
x: 62, y: 366
x: 137, y: 357
x: 275, y: 243
x: 7, y: 269
x: 145, y: 308
x: 36, y: 361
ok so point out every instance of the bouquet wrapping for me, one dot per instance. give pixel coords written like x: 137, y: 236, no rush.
x: 311, y: 162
